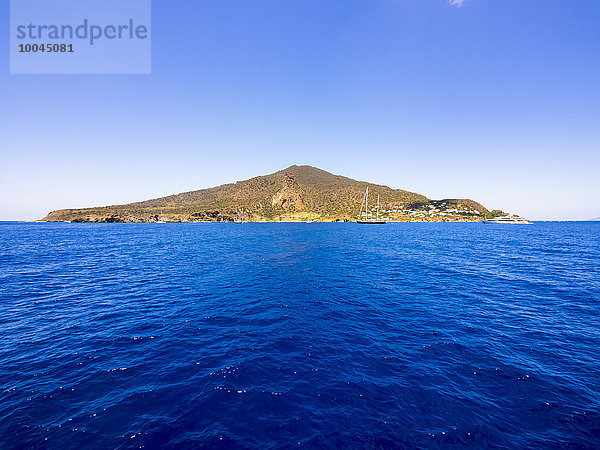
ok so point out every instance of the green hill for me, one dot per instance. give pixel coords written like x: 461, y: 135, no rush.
x: 293, y: 194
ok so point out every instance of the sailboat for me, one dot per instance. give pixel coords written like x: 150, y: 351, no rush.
x: 365, y: 215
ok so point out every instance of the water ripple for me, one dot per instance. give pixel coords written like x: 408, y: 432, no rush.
x: 287, y: 335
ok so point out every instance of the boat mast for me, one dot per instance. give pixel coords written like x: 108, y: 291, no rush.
x: 367, y: 204
x: 377, y: 206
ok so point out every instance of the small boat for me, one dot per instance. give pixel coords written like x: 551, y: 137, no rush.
x: 511, y: 219
x: 366, y: 216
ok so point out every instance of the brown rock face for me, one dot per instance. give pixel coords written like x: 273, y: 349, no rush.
x: 286, y: 198
x: 291, y: 199
x: 290, y: 178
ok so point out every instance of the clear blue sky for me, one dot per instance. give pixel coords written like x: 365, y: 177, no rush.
x: 497, y: 100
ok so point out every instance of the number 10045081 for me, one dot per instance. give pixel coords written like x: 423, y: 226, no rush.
x: 46, y: 48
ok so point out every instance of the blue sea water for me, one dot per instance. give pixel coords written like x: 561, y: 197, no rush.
x: 299, y: 335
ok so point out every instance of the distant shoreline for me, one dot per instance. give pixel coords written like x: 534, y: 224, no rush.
x: 280, y: 221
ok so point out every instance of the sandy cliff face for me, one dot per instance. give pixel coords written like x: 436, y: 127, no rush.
x: 286, y: 198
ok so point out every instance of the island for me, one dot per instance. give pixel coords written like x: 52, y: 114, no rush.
x: 295, y: 194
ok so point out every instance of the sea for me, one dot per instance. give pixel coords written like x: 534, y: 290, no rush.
x: 296, y: 335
